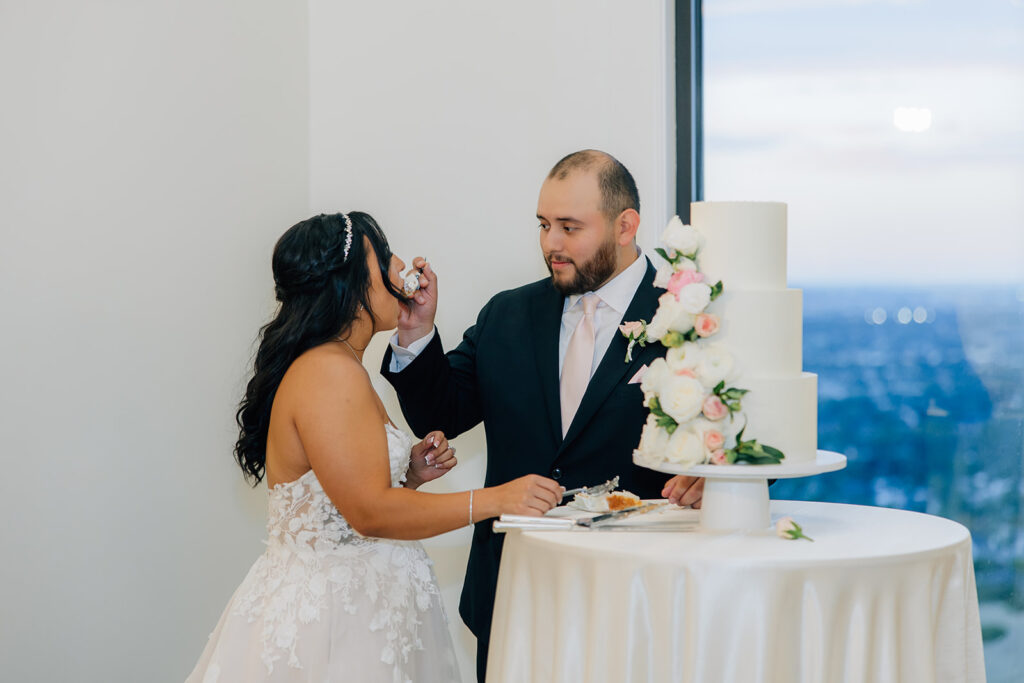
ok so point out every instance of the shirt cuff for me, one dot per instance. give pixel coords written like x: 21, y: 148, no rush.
x: 402, y: 356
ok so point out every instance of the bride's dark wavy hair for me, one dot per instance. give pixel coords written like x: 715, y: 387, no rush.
x: 321, y: 293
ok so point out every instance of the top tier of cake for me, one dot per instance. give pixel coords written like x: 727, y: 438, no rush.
x: 746, y: 245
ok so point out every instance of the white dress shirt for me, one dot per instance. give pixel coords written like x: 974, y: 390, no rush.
x: 615, y: 296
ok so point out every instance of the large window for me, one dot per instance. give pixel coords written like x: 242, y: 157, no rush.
x: 894, y: 130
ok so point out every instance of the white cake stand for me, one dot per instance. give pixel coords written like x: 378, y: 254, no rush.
x: 736, y: 496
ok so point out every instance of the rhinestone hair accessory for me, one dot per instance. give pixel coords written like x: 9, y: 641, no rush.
x: 348, y: 235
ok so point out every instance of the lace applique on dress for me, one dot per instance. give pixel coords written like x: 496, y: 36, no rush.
x: 314, y: 557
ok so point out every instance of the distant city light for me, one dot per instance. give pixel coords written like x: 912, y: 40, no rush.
x: 904, y: 316
x: 912, y: 119
x: 920, y: 314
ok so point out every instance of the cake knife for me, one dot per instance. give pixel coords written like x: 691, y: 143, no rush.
x: 619, y: 514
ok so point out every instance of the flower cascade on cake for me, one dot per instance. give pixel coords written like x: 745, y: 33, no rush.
x: 696, y: 413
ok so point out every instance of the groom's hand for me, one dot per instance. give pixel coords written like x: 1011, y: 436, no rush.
x: 416, y: 319
x: 682, y: 490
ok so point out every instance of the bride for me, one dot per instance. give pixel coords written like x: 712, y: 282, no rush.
x: 343, y: 591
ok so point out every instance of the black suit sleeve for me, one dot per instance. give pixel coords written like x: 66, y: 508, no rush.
x: 438, y: 390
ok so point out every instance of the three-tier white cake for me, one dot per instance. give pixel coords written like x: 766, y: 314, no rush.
x: 731, y: 387
x: 761, y: 321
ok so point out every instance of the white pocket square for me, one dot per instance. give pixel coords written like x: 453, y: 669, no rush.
x: 639, y: 376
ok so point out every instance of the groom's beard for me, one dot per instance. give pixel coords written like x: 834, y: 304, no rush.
x: 589, y: 275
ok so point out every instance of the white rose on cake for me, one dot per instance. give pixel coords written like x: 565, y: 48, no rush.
x: 684, y: 448
x: 657, y: 372
x: 653, y: 439
x: 670, y: 316
x: 681, y: 397
x: 682, y: 238
x: 694, y: 298
x: 684, y: 359
x: 716, y: 365
x: 683, y: 263
x: 662, y: 277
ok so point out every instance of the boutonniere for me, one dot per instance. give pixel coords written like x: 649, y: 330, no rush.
x: 636, y: 333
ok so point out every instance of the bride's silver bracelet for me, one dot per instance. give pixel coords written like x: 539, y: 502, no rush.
x: 471, y: 507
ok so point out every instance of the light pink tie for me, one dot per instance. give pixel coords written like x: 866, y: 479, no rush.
x: 579, y: 359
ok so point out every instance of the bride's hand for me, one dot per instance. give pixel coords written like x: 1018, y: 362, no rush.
x: 531, y: 495
x: 430, y: 459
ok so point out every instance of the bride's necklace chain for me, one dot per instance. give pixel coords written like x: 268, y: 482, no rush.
x: 345, y: 342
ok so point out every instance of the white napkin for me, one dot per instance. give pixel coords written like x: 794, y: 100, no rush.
x: 546, y: 522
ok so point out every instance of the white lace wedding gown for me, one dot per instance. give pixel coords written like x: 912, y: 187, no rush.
x: 325, y: 604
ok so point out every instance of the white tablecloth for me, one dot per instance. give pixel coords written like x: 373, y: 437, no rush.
x: 880, y: 595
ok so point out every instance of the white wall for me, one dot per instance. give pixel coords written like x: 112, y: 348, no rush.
x: 442, y: 120
x: 150, y: 154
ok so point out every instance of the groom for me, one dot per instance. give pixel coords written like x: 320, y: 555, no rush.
x: 544, y: 366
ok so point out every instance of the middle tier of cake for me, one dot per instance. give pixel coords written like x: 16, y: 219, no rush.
x: 762, y: 329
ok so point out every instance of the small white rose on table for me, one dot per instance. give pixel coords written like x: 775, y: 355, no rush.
x: 788, y: 529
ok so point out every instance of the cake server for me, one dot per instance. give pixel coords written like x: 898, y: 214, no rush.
x: 606, y: 487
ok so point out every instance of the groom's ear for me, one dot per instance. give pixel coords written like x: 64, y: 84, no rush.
x: 626, y: 226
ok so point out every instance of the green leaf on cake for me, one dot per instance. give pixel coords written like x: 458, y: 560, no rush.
x: 716, y: 289
x: 673, y: 339
x: 664, y: 254
x: 753, y: 452
x: 665, y: 421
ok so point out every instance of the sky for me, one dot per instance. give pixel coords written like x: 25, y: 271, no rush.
x: 893, y: 130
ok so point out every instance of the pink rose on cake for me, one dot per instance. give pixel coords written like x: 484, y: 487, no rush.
x: 682, y: 278
x: 706, y: 324
x: 713, y: 440
x: 714, y: 408
x: 719, y: 458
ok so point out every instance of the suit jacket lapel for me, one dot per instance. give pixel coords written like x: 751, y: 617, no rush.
x: 613, y: 367
x: 548, y: 325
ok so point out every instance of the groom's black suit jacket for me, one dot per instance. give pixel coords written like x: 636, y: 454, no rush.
x: 505, y: 373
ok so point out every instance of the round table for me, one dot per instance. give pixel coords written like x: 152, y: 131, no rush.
x: 879, y: 595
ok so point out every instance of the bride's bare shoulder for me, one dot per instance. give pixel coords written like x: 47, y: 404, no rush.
x: 323, y: 368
